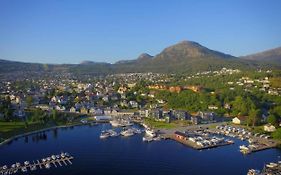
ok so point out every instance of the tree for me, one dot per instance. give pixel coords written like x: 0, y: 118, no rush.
x: 254, y: 117
x: 29, y: 100
x: 277, y: 134
x: 272, y: 119
x: 54, y: 114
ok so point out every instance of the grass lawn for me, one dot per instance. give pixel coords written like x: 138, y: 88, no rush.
x: 9, y: 129
x: 163, y: 125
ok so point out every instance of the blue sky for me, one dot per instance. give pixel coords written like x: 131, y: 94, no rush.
x: 69, y: 31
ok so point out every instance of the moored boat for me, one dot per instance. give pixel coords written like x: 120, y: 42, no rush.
x: 150, y: 132
x: 127, y: 132
x: 104, y: 134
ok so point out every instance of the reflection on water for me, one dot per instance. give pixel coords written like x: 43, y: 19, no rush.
x: 39, y: 136
x: 131, y: 155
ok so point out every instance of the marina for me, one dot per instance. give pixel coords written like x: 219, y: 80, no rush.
x: 269, y: 169
x: 256, y: 142
x: 95, y: 155
x: 199, y: 139
x: 59, y: 160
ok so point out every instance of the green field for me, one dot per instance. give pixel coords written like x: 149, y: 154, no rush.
x: 163, y: 125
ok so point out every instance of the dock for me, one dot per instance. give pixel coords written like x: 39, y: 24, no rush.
x: 194, y: 145
x: 48, y: 162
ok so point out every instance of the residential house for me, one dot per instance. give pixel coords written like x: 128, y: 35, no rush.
x: 269, y: 128
x: 196, y: 120
x: 180, y: 115
x: 239, y: 120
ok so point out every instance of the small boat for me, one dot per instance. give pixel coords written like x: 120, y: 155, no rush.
x: 53, y: 157
x: 253, y: 172
x: 26, y: 163
x: 62, y: 155
x: 23, y: 169
x: 157, y: 138
x: 57, y: 156
x: 243, y: 147
x: 47, y: 165
x: 127, y: 132
x: 112, y: 133
x: 137, y: 131
x: 150, y: 132
x: 4, y: 167
x: 104, y: 134
x: 229, y: 141
x: 115, y: 123
x: 272, y: 165
x: 33, y: 167
x: 18, y: 164
x: 49, y: 158
x: 147, y: 139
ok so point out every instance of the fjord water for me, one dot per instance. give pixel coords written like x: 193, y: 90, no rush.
x: 130, y: 155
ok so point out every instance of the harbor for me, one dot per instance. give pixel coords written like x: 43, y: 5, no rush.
x: 96, y: 155
x: 257, y: 142
x: 271, y: 168
x: 198, y: 139
x: 58, y: 160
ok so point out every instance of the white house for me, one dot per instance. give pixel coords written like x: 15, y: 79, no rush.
x: 236, y: 120
x: 269, y: 128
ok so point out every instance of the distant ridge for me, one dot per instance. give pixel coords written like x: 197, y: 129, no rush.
x: 272, y: 55
x: 185, y: 56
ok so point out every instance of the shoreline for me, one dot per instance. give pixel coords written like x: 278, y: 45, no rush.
x: 6, y: 141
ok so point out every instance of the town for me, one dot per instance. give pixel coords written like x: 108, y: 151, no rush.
x: 243, y: 98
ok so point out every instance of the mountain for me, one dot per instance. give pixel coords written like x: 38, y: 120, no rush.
x: 183, y: 57
x: 189, y: 50
x: 187, y: 56
x: 86, y: 62
x: 144, y: 57
x: 272, y: 55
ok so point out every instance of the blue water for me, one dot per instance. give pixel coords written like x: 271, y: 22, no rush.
x: 130, y: 155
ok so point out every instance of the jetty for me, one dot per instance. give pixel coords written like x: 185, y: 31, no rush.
x: 198, y: 139
x: 58, y: 160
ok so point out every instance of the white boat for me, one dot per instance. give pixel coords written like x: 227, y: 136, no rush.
x: 18, y: 164
x: 157, y: 138
x: 47, y: 165
x: 243, y: 147
x: 33, y: 167
x: 137, y: 131
x: 253, y: 172
x: 104, y: 134
x: 127, y: 133
x: 115, y: 123
x: 26, y: 163
x: 53, y: 157
x: 147, y: 139
x: 112, y: 133
x: 150, y: 132
x: 23, y: 169
x: 272, y: 165
x: 4, y: 167
x: 62, y: 155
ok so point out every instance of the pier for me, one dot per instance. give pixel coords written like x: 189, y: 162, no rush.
x: 198, y: 139
x: 52, y: 161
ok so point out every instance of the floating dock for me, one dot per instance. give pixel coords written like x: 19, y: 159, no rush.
x: 194, y: 145
x: 60, y: 160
